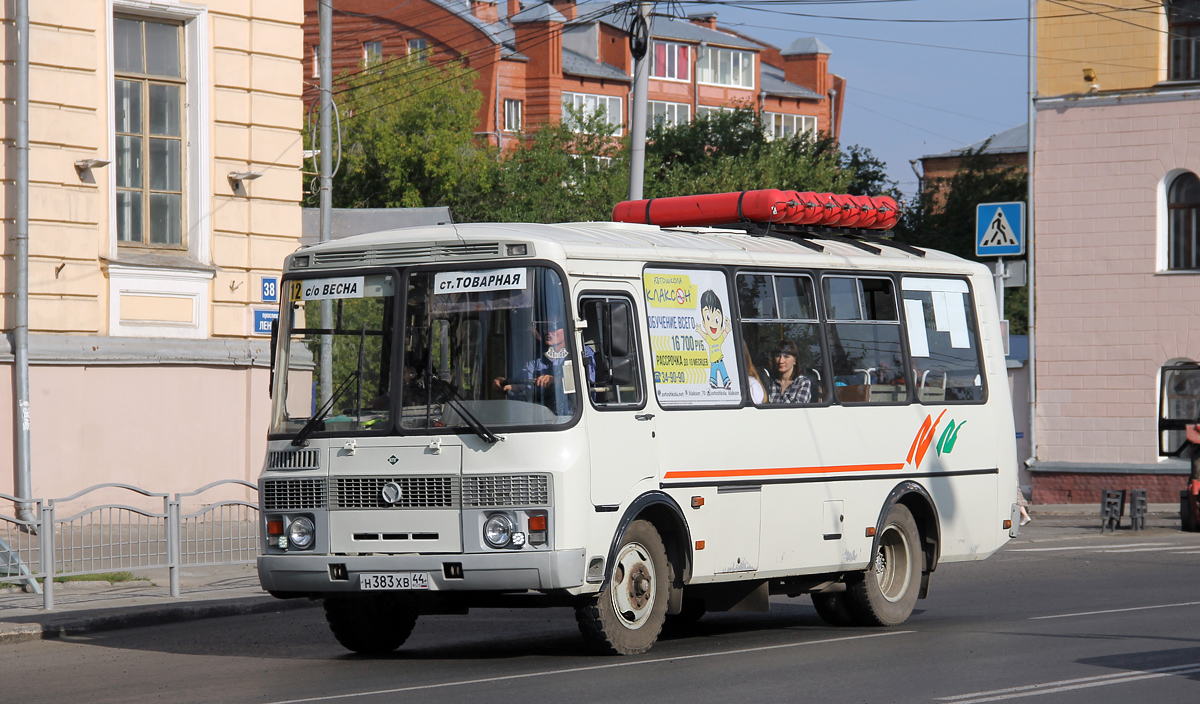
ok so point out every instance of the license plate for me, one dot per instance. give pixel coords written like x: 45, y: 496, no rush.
x: 393, y: 580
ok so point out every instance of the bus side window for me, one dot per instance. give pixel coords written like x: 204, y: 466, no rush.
x: 864, y: 340
x: 781, y: 339
x: 611, y: 336
x: 943, y: 340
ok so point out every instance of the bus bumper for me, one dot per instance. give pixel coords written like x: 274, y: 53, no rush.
x: 507, y: 571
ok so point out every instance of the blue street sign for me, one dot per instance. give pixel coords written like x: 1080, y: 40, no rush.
x: 1000, y: 229
x: 263, y: 320
x: 270, y: 289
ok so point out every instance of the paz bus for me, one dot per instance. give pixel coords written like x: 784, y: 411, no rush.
x: 709, y: 401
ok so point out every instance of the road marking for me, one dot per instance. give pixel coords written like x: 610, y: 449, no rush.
x: 1115, y: 611
x: 569, y: 670
x: 1032, y: 690
x: 1173, y: 547
x: 1090, y: 547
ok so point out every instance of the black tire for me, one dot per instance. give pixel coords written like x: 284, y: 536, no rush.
x: 626, y: 617
x: 693, y: 610
x: 884, y: 595
x: 370, y: 624
x: 834, y: 608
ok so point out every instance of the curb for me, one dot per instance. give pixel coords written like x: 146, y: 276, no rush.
x: 136, y: 617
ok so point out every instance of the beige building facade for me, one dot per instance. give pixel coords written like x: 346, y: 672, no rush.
x: 1117, y: 207
x: 165, y: 180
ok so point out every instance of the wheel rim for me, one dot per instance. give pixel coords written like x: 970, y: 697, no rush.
x: 892, y: 563
x: 633, y: 586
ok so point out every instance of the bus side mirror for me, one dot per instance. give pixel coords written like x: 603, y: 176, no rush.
x: 1179, y: 406
x: 621, y: 331
x: 274, y: 341
x: 622, y: 373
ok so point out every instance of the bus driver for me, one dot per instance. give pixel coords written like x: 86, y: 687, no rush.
x: 541, y: 378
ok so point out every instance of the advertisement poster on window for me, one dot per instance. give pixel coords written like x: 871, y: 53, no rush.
x: 691, y: 337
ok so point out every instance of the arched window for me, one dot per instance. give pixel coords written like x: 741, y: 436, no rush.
x: 1183, y: 24
x: 1183, y: 211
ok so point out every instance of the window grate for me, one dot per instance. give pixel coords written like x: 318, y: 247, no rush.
x: 408, y: 253
x: 294, y: 459
x: 490, y: 491
x: 415, y: 492
x: 293, y: 494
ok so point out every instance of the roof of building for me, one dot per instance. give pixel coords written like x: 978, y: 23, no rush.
x: 580, y: 65
x: 773, y: 83
x: 542, y: 12
x: 806, y: 45
x: 1010, y: 141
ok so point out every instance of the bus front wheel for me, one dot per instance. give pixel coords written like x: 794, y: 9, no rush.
x: 626, y: 617
x: 885, y: 594
x: 370, y: 624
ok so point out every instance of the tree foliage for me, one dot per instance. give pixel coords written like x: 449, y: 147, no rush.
x: 942, y: 216
x: 408, y: 133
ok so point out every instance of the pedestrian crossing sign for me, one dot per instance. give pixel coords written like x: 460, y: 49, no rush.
x: 1000, y: 229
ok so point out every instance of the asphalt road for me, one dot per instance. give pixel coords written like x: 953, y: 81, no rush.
x: 1062, y: 614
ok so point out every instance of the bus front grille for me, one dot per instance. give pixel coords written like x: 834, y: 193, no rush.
x: 294, y: 459
x: 503, y: 490
x: 415, y: 492
x: 293, y: 494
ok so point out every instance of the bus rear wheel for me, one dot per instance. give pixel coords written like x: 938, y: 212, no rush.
x: 370, y: 624
x: 626, y: 617
x: 885, y: 594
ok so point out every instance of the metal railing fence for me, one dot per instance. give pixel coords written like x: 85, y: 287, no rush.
x: 119, y: 537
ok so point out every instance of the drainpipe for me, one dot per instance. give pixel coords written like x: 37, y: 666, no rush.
x: 833, y: 114
x: 1033, y: 448
x: 24, y: 481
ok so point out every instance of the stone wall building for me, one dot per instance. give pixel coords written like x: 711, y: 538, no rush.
x: 147, y: 257
x: 535, y: 58
x: 1117, y: 258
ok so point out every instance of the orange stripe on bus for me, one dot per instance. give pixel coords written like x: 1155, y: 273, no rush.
x: 704, y: 473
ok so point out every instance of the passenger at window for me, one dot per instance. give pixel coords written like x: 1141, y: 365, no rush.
x: 789, y: 385
x: 541, y: 379
x: 757, y: 392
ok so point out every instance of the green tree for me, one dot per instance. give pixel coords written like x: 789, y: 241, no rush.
x: 408, y: 133
x: 557, y: 174
x: 942, y: 216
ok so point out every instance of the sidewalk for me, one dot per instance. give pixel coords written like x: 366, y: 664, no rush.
x: 232, y: 590
x: 88, y: 607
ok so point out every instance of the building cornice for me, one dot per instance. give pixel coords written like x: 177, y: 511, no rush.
x: 1165, y: 94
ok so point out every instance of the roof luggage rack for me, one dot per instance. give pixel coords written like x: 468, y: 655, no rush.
x: 864, y: 222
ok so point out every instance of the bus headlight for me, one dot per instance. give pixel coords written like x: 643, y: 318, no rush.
x: 301, y: 532
x: 498, y: 530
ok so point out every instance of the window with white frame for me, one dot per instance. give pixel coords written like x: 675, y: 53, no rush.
x: 726, y: 67
x: 706, y: 110
x: 669, y: 114
x: 416, y: 48
x: 671, y: 61
x: 148, y: 90
x: 1183, y: 222
x: 372, y: 53
x: 587, y: 105
x: 781, y: 125
x: 512, y: 115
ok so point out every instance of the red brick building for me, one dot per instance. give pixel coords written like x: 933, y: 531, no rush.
x: 534, y: 58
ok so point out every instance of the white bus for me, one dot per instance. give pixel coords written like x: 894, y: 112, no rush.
x: 643, y: 423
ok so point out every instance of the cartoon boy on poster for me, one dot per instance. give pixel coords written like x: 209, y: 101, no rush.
x: 714, y: 328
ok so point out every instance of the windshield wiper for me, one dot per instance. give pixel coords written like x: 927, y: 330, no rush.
x: 451, y: 396
x: 301, y: 438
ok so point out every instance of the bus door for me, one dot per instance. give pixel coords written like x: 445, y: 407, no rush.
x: 621, y: 430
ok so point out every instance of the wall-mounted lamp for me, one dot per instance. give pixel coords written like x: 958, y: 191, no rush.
x: 237, y: 177
x: 1089, y: 77
x: 83, y: 166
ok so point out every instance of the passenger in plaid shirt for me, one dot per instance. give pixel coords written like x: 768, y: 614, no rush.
x: 788, y: 386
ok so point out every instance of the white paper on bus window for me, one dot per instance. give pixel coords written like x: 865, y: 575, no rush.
x: 941, y: 317
x: 960, y: 338
x: 918, y: 340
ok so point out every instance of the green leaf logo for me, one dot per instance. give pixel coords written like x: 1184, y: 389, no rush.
x: 949, y: 437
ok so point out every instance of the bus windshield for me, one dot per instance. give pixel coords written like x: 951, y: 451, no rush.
x: 487, y: 346
x: 335, y: 370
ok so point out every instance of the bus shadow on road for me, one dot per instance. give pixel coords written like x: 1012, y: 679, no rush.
x: 1177, y: 662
